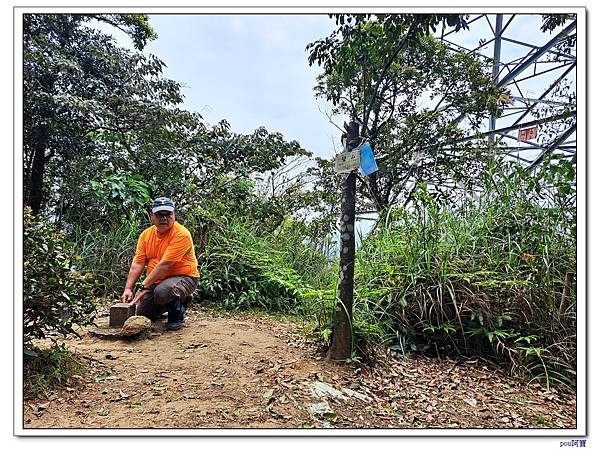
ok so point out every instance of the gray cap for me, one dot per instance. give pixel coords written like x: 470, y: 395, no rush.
x: 162, y: 204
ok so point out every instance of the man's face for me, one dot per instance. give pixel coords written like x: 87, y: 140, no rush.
x: 163, y: 220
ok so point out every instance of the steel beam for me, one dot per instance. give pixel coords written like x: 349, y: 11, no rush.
x: 516, y: 126
x: 513, y: 73
x: 536, y: 55
x: 525, y: 44
x: 533, y: 101
x: 553, y: 147
x: 496, y: 68
x: 547, y: 91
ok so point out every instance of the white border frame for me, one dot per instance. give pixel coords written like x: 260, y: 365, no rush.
x: 582, y: 401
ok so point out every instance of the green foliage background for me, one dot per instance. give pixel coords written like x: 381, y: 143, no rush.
x: 56, y: 296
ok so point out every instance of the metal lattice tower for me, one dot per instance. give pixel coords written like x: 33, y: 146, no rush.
x: 532, y: 71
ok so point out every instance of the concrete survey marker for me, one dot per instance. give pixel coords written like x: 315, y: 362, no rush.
x: 119, y: 313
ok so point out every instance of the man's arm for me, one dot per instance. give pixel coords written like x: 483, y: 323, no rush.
x: 161, y: 269
x: 135, y: 271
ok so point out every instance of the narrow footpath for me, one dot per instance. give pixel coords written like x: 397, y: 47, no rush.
x: 247, y: 371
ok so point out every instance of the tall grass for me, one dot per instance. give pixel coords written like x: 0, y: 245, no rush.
x: 480, y: 278
x: 106, y: 251
x: 244, y: 268
x: 241, y: 266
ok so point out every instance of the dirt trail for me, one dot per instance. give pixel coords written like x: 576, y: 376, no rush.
x: 257, y: 372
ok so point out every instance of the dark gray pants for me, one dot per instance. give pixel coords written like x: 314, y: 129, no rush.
x: 155, y: 300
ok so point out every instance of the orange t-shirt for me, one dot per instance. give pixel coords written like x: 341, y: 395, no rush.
x: 175, y: 246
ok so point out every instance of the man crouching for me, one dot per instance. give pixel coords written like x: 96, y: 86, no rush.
x: 167, y: 249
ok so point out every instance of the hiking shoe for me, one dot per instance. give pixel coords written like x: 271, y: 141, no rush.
x: 175, y: 315
x: 174, y: 326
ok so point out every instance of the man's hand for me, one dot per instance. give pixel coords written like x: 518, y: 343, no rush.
x: 127, y: 295
x: 138, y: 296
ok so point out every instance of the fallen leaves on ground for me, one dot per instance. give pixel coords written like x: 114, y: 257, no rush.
x: 242, y: 371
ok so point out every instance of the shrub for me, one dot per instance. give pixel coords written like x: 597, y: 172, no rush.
x: 245, y: 270
x: 244, y: 267
x: 49, y: 367
x: 55, y: 295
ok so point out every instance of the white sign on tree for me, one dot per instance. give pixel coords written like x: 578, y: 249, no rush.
x: 346, y: 162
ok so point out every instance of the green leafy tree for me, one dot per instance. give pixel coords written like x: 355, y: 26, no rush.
x: 93, y: 109
x: 66, y: 68
x: 414, y: 98
x: 119, y: 196
x: 215, y: 157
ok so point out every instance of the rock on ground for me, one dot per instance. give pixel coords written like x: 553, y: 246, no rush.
x: 136, y: 325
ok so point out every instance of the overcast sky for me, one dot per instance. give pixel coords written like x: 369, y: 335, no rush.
x: 251, y: 70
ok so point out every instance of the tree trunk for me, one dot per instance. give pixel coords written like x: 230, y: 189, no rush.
x: 39, y: 141
x: 36, y: 183
x: 566, y: 295
x: 341, y: 342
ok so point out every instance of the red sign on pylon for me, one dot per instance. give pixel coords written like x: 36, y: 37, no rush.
x: 526, y: 134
